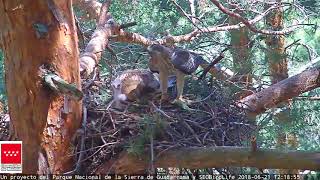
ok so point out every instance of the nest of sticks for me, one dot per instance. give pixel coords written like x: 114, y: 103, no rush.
x: 214, y: 121
x: 105, y: 133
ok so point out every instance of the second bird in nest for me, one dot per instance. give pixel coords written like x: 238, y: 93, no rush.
x: 135, y: 85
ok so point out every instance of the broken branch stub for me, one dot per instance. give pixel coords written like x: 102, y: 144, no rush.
x: 60, y: 86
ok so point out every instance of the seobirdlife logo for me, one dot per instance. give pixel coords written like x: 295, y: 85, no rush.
x: 11, y: 156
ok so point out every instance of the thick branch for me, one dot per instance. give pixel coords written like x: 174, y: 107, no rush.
x: 130, y: 37
x: 281, y: 91
x: 105, y: 28
x: 209, y: 157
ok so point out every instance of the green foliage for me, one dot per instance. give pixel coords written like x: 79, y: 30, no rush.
x: 312, y: 176
x: 148, y: 14
x: 150, y: 126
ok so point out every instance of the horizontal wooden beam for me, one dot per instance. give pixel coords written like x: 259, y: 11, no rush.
x: 216, y: 157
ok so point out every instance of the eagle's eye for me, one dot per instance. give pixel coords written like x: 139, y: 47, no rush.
x: 116, y: 86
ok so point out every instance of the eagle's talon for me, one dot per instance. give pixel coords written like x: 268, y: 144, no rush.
x: 182, y: 103
x: 173, y: 61
x: 186, y: 101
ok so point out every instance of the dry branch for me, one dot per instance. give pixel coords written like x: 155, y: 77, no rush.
x: 281, y: 91
x: 129, y: 37
x: 251, y: 25
x: 214, y: 157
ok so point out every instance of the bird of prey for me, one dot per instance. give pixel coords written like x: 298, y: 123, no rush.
x: 167, y: 61
x: 135, y: 85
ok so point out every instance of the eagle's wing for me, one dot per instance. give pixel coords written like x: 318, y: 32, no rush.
x: 185, y: 61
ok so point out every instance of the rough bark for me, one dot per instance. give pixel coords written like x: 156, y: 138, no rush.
x: 241, y: 59
x: 276, y: 57
x: 214, y: 157
x: 278, y: 68
x: 286, y: 89
x: 37, y: 33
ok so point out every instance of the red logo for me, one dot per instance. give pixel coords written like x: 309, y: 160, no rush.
x: 10, y: 153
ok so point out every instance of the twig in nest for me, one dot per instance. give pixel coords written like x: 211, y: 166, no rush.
x: 152, y: 155
x: 82, y: 146
x: 136, y: 61
x: 77, y: 169
x: 191, y: 130
x: 214, y: 62
x: 109, y: 104
x: 170, y: 147
x: 159, y: 110
x: 206, y: 98
x: 254, y: 144
x: 205, y: 137
x: 100, y: 148
x: 91, y: 81
x: 112, y: 120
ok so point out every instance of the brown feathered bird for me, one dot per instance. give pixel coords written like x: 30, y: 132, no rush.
x: 167, y: 61
x: 135, y: 85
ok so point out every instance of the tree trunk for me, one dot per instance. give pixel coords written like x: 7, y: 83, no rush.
x: 276, y: 57
x: 241, y: 59
x: 39, y: 34
x: 278, y: 68
x: 242, y: 66
x: 214, y: 157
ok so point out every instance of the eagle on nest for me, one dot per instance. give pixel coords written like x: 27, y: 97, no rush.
x: 179, y: 62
